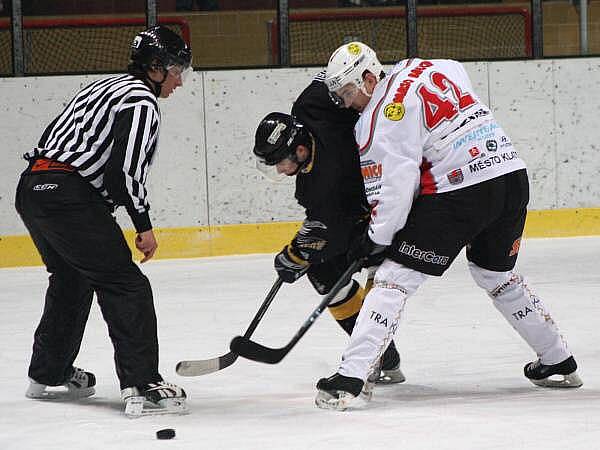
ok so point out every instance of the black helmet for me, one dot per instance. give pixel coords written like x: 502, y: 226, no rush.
x: 277, y: 137
x: 158, y: 47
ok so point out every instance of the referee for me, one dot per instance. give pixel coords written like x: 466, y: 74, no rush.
x: 95, y: 156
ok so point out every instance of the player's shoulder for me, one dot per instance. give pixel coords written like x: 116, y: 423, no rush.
x: 315, y: 93
x: 440, y: 63
x: 314, y: 106
x: 415, y: 66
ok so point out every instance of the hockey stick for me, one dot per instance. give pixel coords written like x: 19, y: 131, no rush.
x: 243, y: 346
x: 194, y: 368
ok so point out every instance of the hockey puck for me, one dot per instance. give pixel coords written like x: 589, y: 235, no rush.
x: 167, y: 433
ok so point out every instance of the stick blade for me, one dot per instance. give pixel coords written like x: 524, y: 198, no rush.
x: 256, y: 352
x: 194, y: 368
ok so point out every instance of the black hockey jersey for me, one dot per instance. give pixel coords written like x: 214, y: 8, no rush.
x: 332, y: 191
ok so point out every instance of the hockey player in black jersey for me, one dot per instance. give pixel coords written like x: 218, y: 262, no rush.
x: 94, y: 156
x: 316, y: 144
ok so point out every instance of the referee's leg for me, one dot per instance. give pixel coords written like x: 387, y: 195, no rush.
x: 84, y: 233
x: 57, y: 338
x: 98, y: 250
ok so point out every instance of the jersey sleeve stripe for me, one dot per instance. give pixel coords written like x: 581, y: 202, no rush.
x: 362, y: 150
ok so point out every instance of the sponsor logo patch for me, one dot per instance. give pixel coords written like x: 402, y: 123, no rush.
x: 474, y: 151
x: 353, y: 49
x: 428, y: 256
x: 371, y: 171
x: 276, y: 133
x: 456, y: 176
x: 394, y: 111
x: 491, y: 145
x: 482, y: 132
x: 505, y: 142
x: 514, y: 250
x: 45, y: 187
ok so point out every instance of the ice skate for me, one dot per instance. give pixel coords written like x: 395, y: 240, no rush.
x: 540, y: 374
x: 390, y: 372
x: 79, y: 385
x: 339, y: 392
x: 154, y: 399
x: 387, y: 371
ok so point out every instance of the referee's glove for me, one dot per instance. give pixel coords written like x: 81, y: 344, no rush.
x: 289, y: 265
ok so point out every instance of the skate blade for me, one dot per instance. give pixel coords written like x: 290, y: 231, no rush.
x: 571, y: 380
x: 325, y: 400
x: 136, y: 407
x: 44, y: 394
x: 392, y: 376
x: 366, y: 392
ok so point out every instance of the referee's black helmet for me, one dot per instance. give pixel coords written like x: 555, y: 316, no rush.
x: 159, y: 47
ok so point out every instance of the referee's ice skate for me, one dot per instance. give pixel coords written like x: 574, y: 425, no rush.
x: 541, y: 374
x: 79, y: 385
x: 154, y: 399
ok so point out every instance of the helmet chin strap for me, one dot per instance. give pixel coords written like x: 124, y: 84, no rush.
x: 307, y: 164
x: 157, y: 85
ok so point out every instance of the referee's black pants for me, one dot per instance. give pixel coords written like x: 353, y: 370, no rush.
x: 85, y: 251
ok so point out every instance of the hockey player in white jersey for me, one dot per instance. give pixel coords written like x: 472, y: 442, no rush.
x: 440, y: 174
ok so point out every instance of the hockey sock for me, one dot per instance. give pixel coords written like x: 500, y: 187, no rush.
x: 378, y: 318
x: 524, y: 311
x: 346, y: 305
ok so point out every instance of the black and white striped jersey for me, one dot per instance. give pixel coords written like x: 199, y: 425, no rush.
x: 108, y: 133
x: 320, y: 76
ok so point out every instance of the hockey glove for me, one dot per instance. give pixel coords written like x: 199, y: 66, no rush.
x: 290, y: 266
x: 364, y: 248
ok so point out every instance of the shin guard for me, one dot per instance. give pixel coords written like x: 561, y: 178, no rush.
x: 524, y: 311
x: 379, y: 318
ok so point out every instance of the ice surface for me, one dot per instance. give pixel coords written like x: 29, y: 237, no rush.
x: 463, y: 362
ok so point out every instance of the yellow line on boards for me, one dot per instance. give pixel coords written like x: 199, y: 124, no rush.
x: 191, y: 242
x: 563, y: 222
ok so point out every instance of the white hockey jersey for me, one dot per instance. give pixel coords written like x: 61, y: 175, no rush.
x: 424, y: 132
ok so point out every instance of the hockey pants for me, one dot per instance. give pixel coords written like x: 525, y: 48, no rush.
x: 84, y: 251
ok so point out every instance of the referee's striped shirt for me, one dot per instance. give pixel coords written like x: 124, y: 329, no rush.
x: 108, y: 133
x: 320, y: 76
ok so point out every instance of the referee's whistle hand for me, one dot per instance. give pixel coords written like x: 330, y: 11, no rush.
x: 146, y: 243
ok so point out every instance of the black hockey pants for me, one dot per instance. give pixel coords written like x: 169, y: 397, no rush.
x: 85, y: 251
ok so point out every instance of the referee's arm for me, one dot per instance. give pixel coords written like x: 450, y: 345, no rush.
x: 136, y: 130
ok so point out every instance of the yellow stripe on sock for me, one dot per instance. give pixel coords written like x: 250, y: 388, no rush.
x: 349, y: 307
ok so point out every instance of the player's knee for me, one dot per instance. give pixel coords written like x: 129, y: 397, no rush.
x: 394, y: 276
x: 346, y: 292
x: 347, y: 302
x: 496, y: 284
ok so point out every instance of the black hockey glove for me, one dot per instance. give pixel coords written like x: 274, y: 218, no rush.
x: 364, y: 248
x: 290, y: 266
